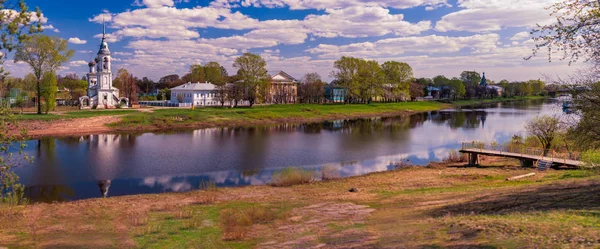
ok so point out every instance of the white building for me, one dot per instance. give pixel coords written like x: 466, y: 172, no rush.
x: 101, y: 93
x: 197, y: 94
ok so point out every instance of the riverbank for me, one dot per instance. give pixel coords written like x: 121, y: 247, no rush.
x: 164, y: 119
x: 434, y: 207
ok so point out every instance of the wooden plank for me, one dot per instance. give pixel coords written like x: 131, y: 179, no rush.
x: 520, y: 176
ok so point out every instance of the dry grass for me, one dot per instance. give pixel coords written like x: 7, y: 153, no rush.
x: 456, y: 157
x: 292, y: 176
x: 236, y: 223
x: 330, y: 172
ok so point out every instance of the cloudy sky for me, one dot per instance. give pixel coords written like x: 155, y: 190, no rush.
x: 154, y: 38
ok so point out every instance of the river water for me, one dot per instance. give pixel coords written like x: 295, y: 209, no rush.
x: 122, y: 164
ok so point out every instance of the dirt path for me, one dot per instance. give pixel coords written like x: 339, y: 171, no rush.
x: 79, y: 126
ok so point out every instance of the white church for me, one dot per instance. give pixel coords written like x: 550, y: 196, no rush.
x: 101, y: 93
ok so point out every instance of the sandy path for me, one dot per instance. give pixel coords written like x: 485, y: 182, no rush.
x: 65, y: 127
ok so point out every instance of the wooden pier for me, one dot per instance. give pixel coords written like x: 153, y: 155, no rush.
x: 527, y: 156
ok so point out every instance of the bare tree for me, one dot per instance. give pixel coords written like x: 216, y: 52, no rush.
x: 545, y: 129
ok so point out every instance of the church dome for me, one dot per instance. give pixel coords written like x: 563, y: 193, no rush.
x: 92, y: 63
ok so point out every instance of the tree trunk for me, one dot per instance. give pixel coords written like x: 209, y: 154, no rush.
x: 39, y: 96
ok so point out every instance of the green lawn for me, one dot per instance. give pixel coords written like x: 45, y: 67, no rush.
x: 162, y: 118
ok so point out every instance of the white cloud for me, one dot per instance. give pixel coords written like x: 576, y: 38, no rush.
x: 78, y: 63
x: 50, y: 27
x: 493, y: 15
x: 322, y: 4
x: 110, y: 38
x: 104, y: 17
x: 361, y: 21
x: 520, y: 36
x: 76, y: 40
x: 396, y: 46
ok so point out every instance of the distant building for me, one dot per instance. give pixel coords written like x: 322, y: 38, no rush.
x: 432, y: 92
x: 197, y: 94
x: 284, y: 88
x: 498, y: 89
x: 335, y: 94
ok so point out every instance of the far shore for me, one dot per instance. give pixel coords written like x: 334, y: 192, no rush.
x: 87, y: 122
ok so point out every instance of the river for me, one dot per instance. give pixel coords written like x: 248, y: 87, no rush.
x: 83, y: 167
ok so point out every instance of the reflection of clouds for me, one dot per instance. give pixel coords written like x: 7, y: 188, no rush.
x: 167, y: 183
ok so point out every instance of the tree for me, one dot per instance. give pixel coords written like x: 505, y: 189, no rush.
x: 398, y: 76
x: 196, y: 74
x: 309, y: 78
x: 346, y: 69
x: 43, y: 54
x: 145, y: 85
x: 11, y: 155
x: 470, y: 78
x: 75, y: 86
x: 127, y: 86
x: 170, y: 81
x: 369, y: 81
x: 576, y: 32
x: 13, y: 21
x: 416, y: 91
x: 537, y: 86
x: 545, y: 129
x: 213, y: 73
x: 457, y: 87
x: 252, y: 71
x: 48, y: 90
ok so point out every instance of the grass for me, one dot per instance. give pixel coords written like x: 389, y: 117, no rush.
x: 73, y: 114
x: 415, y: 207
x: 291, y: 176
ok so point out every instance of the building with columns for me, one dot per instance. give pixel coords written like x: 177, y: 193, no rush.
x: 101, y: 94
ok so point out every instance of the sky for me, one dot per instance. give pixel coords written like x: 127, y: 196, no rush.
x: 154, y: 38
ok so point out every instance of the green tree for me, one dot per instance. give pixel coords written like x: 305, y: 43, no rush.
x: 74, y: 85
x: 346, y: 70
x: 48, y: 90
x: 458, y: 88
x: 369, y: 81
x: 197, y: 73
x: 398, y: 75
x: 470, y: 78
x: 440, y: 81
x: 252, y: 71
x: 16, y: 23
x: 537, y: 86
x: 213, y: 73
x: 43, y: 54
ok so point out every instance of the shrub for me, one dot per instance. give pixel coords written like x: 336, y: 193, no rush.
x: 591, y: 158
x: 291, y: 176
x: 456, y: 157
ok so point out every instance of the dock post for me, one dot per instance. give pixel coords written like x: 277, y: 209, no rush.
x: 473, y: 159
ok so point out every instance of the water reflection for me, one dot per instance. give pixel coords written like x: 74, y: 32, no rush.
x: 78, y: 167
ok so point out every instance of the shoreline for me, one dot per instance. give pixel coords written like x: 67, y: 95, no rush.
x: 164, y: 120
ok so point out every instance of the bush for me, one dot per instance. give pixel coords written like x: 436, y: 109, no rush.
x: 456, y: 157
x: 591, y: 158
x: 291, y: 176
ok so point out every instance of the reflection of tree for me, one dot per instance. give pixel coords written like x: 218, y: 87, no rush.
x: 49, y: 193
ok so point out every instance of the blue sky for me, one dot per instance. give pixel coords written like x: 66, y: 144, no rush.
x: 154, y: 38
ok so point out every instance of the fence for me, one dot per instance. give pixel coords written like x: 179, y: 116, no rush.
x: 521, y: 150
x: 164, y: 103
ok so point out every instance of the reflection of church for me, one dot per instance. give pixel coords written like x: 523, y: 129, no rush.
x: 101, y: 93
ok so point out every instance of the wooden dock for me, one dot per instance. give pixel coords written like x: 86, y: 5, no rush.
x: 523, y: 154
